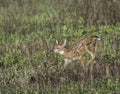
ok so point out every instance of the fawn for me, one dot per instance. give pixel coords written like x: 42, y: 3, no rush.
x: 77, y: 50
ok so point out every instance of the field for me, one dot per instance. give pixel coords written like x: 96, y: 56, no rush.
x: 28, y: 30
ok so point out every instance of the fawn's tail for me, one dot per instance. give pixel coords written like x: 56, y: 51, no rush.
x: 97, y: 37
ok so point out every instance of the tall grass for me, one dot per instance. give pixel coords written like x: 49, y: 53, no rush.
x: 28, y: 30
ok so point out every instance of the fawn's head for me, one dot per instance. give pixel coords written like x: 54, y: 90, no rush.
x: 60, y: 48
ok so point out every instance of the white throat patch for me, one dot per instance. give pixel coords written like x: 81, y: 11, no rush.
x: 61, y: 52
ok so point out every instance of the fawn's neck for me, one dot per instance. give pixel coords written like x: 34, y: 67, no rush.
x: 65, y: 53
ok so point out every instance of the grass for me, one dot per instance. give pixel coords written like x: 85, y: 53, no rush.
x: 27, y: 65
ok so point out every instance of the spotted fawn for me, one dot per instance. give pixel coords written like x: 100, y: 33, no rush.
x: 78, y: 49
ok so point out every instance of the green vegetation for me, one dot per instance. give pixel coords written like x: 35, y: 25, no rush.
x: 28, y: 30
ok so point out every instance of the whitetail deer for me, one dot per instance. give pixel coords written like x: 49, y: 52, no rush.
x: 85, y: 44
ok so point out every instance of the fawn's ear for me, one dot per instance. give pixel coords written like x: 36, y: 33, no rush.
x: 64, y: 44
x: 56, y: 41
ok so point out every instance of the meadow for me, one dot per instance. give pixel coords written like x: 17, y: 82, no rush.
x: 28, y: 30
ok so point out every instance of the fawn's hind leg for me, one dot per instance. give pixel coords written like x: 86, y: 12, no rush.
x: 93, y: 55
x: 81, y: 61
x: 92, y: 51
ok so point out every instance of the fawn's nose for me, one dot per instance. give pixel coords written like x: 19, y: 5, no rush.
x: 56, y: 50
